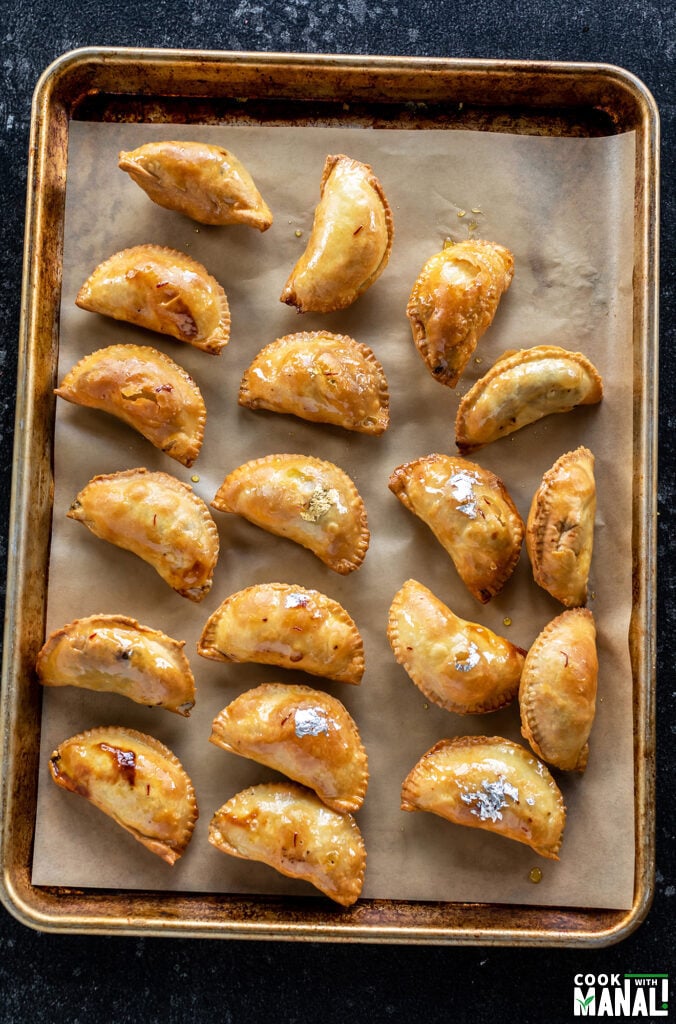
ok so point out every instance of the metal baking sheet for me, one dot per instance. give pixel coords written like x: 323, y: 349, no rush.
x: 166, y: 87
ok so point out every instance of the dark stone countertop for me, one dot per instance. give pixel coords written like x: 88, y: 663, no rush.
x: 80, y: 978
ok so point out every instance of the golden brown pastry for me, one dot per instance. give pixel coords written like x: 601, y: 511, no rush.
x: 311, y: 502
x: 350, y: 242
x: 162, y: 290
x: 157, y: 517
x: 290, y: 829
x: 560, y: 528
x: 145, y: 389
x: 303, y: 733
x: 321, y: 377
x: 202, y: 181
x: 522, y: 387
x: 470, y: 513
x: 114, y: 654
x: 286, y: 625
x: 135, y: 780
x: 454, y: 301
x: 557, y: 695
x: 489, y: 783
x: 461, y: 666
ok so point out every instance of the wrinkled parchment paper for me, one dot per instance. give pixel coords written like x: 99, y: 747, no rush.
x: 564, y: 207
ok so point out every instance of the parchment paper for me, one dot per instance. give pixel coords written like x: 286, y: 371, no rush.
x: 564, y: 207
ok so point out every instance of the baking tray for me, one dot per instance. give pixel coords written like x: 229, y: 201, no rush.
x: 162, y: 86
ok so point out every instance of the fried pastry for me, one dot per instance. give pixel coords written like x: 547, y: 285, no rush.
x: 522, y: 387
x: 489, y: 783
x: 321, y: 377
x: 560, y: 528
x: 204, y: 182
x: 289, y: 626
x: 161, y: 290
x: 350, y: 243
x: 557, y: 695
x: 311, y: 502
x: 461, y: 666
x: 135, y: 780
x: 470, y: 513
x: 158, y: 518
x: 114, y: 654
x: 454, y: 301
x: 303, y: 733
x: 145, y: 389
x: 288, y: 828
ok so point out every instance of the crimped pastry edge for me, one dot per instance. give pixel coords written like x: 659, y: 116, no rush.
x: 345, y: 898
x: 342, y: 566
x: 174, y: 484
x: 501, y: 700
x: 529, y: 728
x: 207, y: 648
x: 217, y: 340
x: 185, y: 454
x: 346, y: 804
x: 169, y: 853
x: 504, y: 364
x: 537, y: 518
x: 409, y: 792
x: 367, y: 354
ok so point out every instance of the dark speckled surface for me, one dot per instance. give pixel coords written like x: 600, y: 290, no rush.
x: 81, y: 979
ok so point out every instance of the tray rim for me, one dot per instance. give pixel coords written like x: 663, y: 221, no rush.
x: 25, y: 901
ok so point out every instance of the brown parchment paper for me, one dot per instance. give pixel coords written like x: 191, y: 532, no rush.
x: 564, y: 207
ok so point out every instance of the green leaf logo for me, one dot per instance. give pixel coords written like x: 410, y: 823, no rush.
x: 585, y: 1002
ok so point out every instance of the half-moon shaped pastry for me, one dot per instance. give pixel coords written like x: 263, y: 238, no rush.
x: 303, y: 733
x: 350, y: 242
x: 557, y: 695
x: 461, y: 666
x: 157, y: 517
x: 522, y: 387
x: 470, y: 513
x: 489, y: 783
x: 145, y: 389
x: 162, y: 290
x: 114, y: 654
x: 454, y: 301
x: 135, y: 780
x: 288, y: 828
x: 321, y: 377
x: 204, y: 182
x: 560, y: 528
x: 307, y: 500
x: 286, y: 625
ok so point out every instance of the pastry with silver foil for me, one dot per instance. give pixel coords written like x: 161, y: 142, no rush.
x: 489, y: 783
x: 461, y: 666
x: 470, y: 513
x: 303, y: 733
x: 304, y: 499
